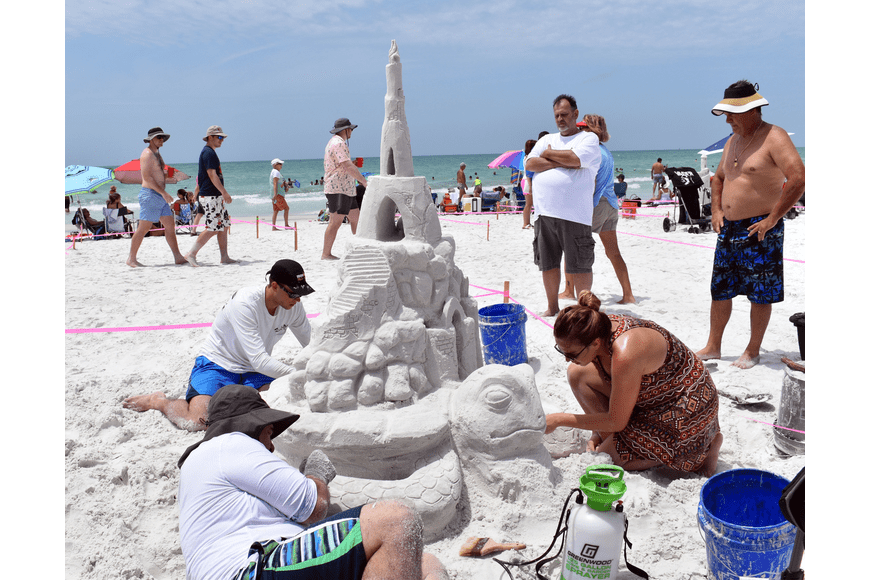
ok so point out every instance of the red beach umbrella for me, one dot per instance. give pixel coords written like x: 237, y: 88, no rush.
x: 130, y: 172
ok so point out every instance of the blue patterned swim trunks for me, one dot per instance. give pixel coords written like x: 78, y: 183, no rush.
x: 744, y: 265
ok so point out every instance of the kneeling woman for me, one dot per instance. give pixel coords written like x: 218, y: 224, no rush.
x: 646, y: 397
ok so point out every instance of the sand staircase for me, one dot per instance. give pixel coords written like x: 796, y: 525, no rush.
x: 364, y: 268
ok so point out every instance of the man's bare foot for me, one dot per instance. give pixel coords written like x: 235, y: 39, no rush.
x: 708, y: 468
x: 228, y: 260
x: 707, y: 353
x: 548, y: 313
x: 134, y: 263
x: 627, y: 300
x: 179, y: 259
x: 746, y: 361
x: 567, y: 294
x: 329, y: 257
x: 274, y: 229
x: 144, y: 402
x: 191, y: 260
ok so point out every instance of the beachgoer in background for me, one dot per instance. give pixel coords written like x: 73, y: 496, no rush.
x: 748, y: 201
x: 460, y: 184
x: 278, y: 201
x: 360, y: 194
x: 339, y: 188
x: 565, y: 165
x: 527, y: 185
x: 182, y: 199
x: 606, y: 213
x: 478, y: 186
x: 153, y: 199
x: 238, y: 349
x: 114, y: 202
x: 66, y: 202
x: 234, y: 493
x: 542, y: 133
x: 646, y: 397
x: 197, y: 210
x: 213, y: 196
x: 658, y: 178
x: 620, y: 188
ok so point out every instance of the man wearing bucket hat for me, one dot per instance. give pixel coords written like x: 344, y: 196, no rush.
x: 212, y: 196
x: 238, y: 349
x: 759, y: 178
x: 243, y: 511
x: 339, y: 187
x: 153, y: 199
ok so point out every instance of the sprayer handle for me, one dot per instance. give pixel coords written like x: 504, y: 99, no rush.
x: 613, y: 472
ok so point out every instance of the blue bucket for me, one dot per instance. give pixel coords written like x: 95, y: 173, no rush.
x: 503, y: 331
x: 744, y: 530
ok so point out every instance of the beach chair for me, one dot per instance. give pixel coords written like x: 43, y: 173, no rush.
x: 86, y: 229
x: 183, y: 221
x: 115, y: 222
x: 687, y: 186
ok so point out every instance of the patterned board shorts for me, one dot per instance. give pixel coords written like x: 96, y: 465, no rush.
x: 743, y: 265
x: 330, y: 549
x: 217, y: 218
x: 279, y: 203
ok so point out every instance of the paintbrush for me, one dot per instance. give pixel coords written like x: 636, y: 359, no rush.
x: 476, y: 547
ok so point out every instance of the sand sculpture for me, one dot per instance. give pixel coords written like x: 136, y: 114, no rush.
x: 393, y: 376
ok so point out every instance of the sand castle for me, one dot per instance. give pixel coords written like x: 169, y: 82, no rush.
x: 394, y: 376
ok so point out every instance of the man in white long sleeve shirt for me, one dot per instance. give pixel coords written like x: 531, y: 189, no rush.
x: 238, y: 349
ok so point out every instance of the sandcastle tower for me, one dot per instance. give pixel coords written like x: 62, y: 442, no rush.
x: 398, y: 339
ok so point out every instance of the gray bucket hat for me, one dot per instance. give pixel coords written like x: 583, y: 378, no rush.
x: 341, y: 125
x: 240, y: 408
x: 156, y: 132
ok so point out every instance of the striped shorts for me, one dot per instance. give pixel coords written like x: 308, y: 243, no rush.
x: 331, y: 549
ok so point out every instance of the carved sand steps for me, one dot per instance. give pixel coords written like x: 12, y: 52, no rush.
x: 363, y: 269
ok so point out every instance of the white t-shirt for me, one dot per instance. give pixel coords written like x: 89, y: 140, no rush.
x: 244, y: 333
x: 232, y: 492
x: 567, y: 193
x: 275, y: 173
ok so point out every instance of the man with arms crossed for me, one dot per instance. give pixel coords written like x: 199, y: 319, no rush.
x: 153, y: 199
x: 339, y: 184
x: 239, y: 346
x: 564, y: 166
x: 749, y: 200
x: 212, y: 196
x: 243, y: 512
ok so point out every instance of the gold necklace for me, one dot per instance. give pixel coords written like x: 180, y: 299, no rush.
x: 737, y: 156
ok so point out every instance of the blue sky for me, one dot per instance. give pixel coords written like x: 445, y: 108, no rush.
x: 479, y: 77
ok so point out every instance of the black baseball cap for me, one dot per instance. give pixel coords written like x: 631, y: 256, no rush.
x: 292, y: 275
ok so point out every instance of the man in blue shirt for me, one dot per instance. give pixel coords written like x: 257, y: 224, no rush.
x: 212, y: 197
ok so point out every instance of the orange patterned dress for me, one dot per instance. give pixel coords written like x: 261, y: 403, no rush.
x: 676, y: 415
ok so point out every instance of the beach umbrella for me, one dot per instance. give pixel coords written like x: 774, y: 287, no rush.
x: 130, y: 172
x: 508, y: 159
x: 716, y: 147
x: 84, y: 178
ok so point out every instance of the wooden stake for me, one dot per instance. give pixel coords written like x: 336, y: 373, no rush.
x: 295, y: 237
x: 507, y: 291
x: 257, y: 221
x: 487, y: 230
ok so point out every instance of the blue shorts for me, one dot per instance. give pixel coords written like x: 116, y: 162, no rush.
x: 658, y: 178
x: 332, y: 548
x: 747, y: 266
x: 152, y: 206
x: 207, y: 377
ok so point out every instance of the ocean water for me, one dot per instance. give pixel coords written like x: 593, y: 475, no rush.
x: 248, y: 181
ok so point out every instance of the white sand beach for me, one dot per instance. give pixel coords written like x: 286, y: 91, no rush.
x: 121, y: 478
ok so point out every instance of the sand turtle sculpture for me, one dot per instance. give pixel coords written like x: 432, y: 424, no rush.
x: 487, y: 434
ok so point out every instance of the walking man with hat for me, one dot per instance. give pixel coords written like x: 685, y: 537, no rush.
x: 243, y: 511
x: 212, y: 196
x: 238, y: 349
x: 339, y: 187
x: 153, y: 199
x: 759, y: 178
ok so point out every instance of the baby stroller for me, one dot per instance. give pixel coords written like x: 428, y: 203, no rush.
x: 688, y: 187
